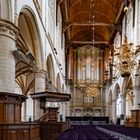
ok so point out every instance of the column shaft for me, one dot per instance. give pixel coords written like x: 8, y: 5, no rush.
x: 136, y: 90
x: 123, y: 109
x: 8, y: 35
x: 114, y: 111
x: 39, y: 87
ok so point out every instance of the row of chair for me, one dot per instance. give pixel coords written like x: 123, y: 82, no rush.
x: 85, y: 132
x: 128, y: 133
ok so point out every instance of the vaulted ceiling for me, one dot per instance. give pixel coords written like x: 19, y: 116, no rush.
x: 81, y: 16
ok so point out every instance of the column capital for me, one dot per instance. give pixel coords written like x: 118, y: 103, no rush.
x: 40, y: 74
x: 8, y: 28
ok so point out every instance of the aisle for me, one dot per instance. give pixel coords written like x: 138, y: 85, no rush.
x: 85, y: 133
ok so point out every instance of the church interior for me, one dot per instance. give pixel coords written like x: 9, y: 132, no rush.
x: 69, y: 70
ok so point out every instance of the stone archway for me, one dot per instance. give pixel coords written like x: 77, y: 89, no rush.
x: 115, y: 106
x: 63, y: 88
x: 129, y: 98
x: 58, y: 83
x: 50, y: 69
x: 29, y: 32
x: 110, y: 105
x: 29, y: 58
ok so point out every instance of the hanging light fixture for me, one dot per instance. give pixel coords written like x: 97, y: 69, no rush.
x: 92, y: 90
x: 125, y: 56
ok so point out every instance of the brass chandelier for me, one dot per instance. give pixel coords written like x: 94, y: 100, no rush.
x: 92, y: 91
x: 125, y: 59
x: 124, y: 62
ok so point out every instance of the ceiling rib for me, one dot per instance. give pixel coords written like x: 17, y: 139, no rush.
x: 91, y: 24
x: 100, y: 13
x: 114, y: 9
x: 89, y: 42
x: 110, y: 5
x: 67, y: 16
x: 79, y: 23
x: 117, y: 18
x: 95, y: 37
x: 90, y: 10
x: 68, y: 25
x: 74, y: 4
x: 85, y: 30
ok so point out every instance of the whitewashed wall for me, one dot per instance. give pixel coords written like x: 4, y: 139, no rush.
x: 51, y: 37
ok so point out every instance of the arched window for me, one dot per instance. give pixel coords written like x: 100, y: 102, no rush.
x: 59, y: 29
x: 52, y: 19
x: 129, y: 26
x: 50, y: 69
x: 58, y: 83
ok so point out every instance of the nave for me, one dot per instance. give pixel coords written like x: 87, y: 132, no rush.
x: 100, y: 132
x: 76, y: 59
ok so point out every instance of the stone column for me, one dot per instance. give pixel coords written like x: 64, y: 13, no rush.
x: 109, y: 111
x: 123, y: 109
x: 39, y: 87
x: 10, y: 103
x: 8, y: 35
x: 105, y: 99
x: 114, y: 111
x: 136, y: 30
x: 40, y: 81
x: 67, y: 108
x: 71, y: 103
x: 66, y: 111
x: 63, y: 110
x: 24, y: 113
x: 136, y: 90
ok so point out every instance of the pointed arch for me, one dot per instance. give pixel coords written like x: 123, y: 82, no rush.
x: 29, y: 35
x: 110, y: 97
x: 110, y: 109
x: 30, y: 49
x: 50, y: 69
x: 127, y: 85
x: 128, y: 95
x: 63, y: 88
x: 116, y: 91
x: 58, y: 82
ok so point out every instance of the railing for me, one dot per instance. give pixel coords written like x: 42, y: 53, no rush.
x: 32, y: 131
x: 52, y: 130
x: 26, y: 131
